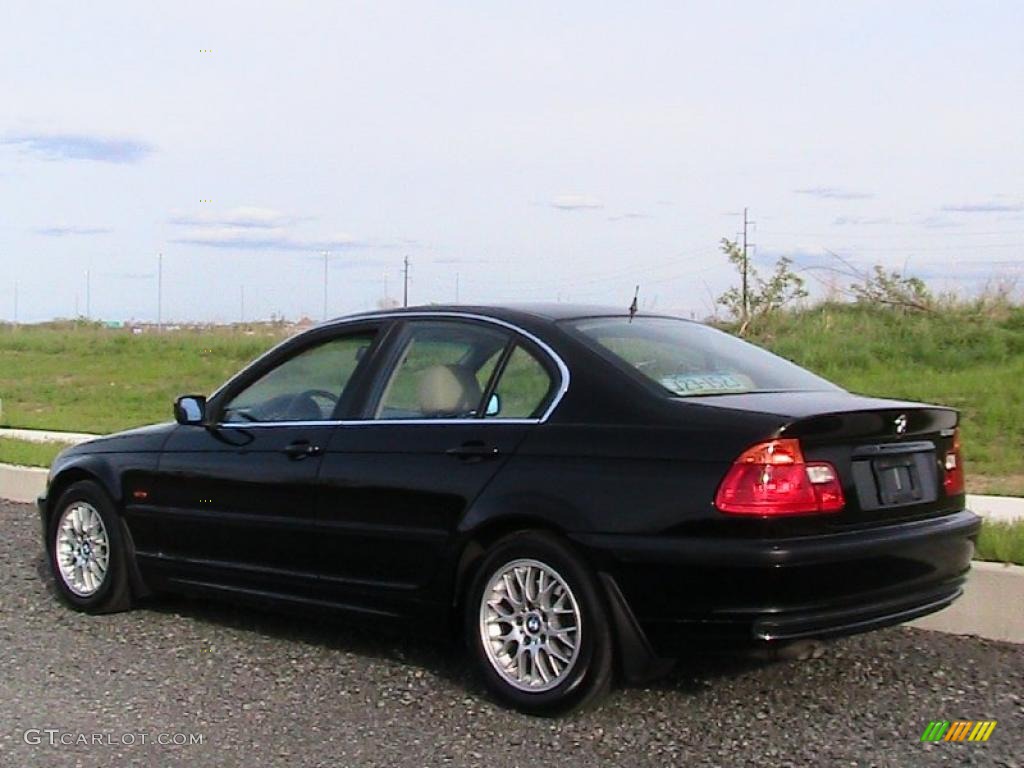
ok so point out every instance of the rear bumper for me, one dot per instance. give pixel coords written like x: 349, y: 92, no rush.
x: 681, y: 590
x: 859, y: 618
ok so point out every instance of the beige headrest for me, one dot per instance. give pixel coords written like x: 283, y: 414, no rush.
x: 447, y: 390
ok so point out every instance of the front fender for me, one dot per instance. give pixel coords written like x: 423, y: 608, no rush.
x: 68, y: 470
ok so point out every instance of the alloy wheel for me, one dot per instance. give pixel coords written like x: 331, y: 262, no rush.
x: 530, y: 625
x: 82, y: 549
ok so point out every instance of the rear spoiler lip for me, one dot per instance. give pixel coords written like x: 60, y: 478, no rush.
x: 882, y: 423
x: 797, y: 405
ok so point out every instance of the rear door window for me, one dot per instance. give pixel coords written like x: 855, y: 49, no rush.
x: 442, y: 371
x: 523, y: 388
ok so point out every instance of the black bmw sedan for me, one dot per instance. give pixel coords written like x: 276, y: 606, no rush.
x: 579, y: 491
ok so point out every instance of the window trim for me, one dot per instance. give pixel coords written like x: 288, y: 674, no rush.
x: 385, y: 335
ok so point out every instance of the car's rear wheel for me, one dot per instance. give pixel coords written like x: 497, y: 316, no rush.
x: 537, y: 626
x: 87, y: 553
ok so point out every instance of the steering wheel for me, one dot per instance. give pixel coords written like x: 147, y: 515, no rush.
x: 304, y: 405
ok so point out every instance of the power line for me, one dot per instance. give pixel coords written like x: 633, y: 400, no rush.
x: 850, y: 231
x: 604, y: 276
x: 918, y: 249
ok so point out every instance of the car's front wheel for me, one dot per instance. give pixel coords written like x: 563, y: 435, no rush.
x: 87, y: 553
x: 537, y: 625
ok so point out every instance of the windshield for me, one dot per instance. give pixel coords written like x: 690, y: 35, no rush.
x: 691, y: 360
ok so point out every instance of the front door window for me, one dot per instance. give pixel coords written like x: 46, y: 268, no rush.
x: 305, y: 387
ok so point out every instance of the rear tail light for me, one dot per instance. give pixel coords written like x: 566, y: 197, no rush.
x: 771, y: 479
x: 953, y: 479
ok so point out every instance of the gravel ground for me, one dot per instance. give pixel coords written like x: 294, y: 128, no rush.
x: 265, y: 690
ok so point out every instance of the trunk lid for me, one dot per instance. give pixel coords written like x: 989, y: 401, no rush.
x: 889, y: 454
x: 890, y: 458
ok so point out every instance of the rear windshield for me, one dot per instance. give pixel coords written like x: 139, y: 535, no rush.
x: 693, y: 360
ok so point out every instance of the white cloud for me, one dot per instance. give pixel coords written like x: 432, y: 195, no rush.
x: 63, y: 230
x: 860, y: 221
x: 576, y: 203
x: 253, y: 228
x: 65, y: 146
x: 834, y: 193
x: 991, y: 207
x: 243, y: 216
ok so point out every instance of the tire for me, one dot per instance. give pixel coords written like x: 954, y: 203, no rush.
x: 76, y: 551
x: 558, y: 676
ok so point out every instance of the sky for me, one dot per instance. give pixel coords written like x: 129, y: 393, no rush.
x: 520, y: 151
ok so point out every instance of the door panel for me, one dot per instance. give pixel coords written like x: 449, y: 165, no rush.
x: 238, y: 499
x: 392, y: 494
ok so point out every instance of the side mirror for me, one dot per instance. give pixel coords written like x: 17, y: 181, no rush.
x: 493, y: 405
x: 190, y: 409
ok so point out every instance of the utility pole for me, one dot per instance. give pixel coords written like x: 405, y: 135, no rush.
x: 405, y: 281
x: 746, y: 303
x: 159, y: 292
x: 325, y: 285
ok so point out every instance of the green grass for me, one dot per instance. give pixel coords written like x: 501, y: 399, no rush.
x: 1001, y: 542
x: 79, y: 377
x: 28, y: 454
x: 964, y: 359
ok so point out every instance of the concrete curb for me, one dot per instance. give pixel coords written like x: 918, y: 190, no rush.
x: 991, y: 606
x: 44, y: 436
x: 24, y: 484
x: 1002, y: 509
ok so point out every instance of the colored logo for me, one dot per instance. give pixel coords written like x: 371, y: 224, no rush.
x: 958, y: 730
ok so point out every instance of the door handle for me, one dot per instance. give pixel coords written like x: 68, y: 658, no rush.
x: 473, y: 451
x: 300, y: 449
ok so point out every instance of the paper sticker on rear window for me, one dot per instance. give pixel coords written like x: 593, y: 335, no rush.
x: 706, y: 383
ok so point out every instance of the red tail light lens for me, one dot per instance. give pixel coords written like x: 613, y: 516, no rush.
x: 953, y: 480
x: 771, y: 479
